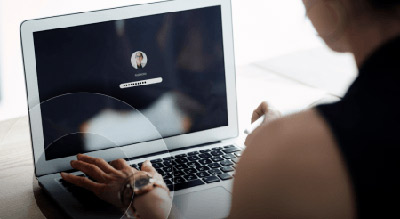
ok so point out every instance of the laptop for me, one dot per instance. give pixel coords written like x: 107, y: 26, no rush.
x: 142, y: 82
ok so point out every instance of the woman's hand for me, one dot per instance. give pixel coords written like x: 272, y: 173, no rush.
x: 110, y: 178
x: 270, y: 115
x: 264, y: 109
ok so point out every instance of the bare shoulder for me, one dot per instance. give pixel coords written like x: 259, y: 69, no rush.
x: 304, y: 134
x: 299, y: 170
x: 305, y: 126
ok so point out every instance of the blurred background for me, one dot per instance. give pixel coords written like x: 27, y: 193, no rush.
x: 263, y: 29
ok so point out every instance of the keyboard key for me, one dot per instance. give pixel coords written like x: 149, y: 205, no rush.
x: 238, y: 154
x: 225, y: 176
x: 167, y: 176
x: 178, y: 173
x: 229, y: 146
x: 216, y: 153
x: 193, y: 158
x: 190, y: 177
x: 135, y: 166
x: 167, y: 181
x: 215, y: 171
x: 174, y: 162
x: 157, y: 165
x: 235, y: 160
x: 181, y: 166
x: 168, y: 169
x: 217, y: 159
x: 204, y: 151
x: 203, y: 168
x: 160, y: 171
x: 181, y: 160
x: 211, y: 179
x: 167, y: 163
x: 170, y: 187
x: 205, y: 161
x: 205, y: 155
x: 179, y: 180
x: 193, y: 153
x: 229, y: 156
x: 159, y: 160
x: 217, y: 148
x: 181, y: 156
x: 193, y: 164
x: 167, y: 159
x: 186, y: 185
x: 214, y: 165
x: 190, y: 171
x: 226, y: 163
x: 227, y: 169
x: 231, y: 150
x: 203, y: 174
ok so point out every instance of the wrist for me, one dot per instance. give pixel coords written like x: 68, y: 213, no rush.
x: 156, y: 203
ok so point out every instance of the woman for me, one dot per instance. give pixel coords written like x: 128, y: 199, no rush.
x: 139, y: 59
x: 335, y: 161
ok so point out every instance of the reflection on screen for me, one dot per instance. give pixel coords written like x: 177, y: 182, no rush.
x: 81, y: 71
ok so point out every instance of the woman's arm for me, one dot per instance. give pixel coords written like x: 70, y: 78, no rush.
x: 292, y: 168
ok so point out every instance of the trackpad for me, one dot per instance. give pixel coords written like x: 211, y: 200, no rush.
x: 211, y: 203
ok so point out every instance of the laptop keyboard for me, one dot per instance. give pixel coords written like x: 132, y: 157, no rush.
x: 191, y: 169
x: 197, y: 168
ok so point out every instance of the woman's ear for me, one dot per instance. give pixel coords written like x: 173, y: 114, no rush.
x: 330, y: 19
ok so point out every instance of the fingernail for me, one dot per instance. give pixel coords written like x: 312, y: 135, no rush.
x: 63, y: 174
x: 72, y: 162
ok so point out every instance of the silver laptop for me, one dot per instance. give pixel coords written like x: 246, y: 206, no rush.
x: 143, y: 82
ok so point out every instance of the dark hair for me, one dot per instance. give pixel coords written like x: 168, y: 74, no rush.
x: 139, y: 54
x: 384, y: 4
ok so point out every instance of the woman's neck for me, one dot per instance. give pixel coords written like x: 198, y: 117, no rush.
x: 365, y: 37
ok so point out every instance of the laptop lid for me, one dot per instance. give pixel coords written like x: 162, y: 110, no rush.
x: 129, y: 81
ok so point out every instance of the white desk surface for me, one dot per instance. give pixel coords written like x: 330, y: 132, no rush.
x: 319, y: 67
x: 20, y: 196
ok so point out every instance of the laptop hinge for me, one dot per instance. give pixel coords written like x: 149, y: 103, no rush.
x: 154, y: 154
x: 178, y: 149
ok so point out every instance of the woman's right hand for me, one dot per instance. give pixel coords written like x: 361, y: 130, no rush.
x: 270, y: 114
x: 265, y: 109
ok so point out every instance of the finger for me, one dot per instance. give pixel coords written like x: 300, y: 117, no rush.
x: 119, y: 164
x: 147, y: 167
x: 83, y: 182
x: 89, y: 169
x: 159, y: 178
x: 260, y: 111
x: 104, y: 166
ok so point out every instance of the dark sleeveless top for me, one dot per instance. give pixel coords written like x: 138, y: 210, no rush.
x: 366, y: 126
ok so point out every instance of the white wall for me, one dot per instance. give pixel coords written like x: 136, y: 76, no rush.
x: 262, y: 29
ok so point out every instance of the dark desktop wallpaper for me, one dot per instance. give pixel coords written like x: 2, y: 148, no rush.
x: 80, y: 69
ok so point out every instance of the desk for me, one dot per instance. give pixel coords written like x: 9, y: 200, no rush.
x: 20, y: 195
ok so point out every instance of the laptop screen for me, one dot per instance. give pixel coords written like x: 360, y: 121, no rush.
x: 96, y: 81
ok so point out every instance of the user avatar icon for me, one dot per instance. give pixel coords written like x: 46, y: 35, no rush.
x: 139, y: 60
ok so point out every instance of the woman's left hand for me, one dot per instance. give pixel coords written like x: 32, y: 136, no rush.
x: 110, y: 178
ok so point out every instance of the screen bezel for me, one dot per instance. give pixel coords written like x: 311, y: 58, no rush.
x: 42, y: 166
